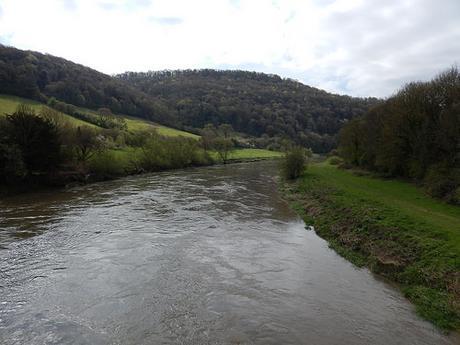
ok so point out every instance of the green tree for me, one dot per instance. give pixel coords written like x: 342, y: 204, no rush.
x: 224, y: 147
x: 37, y: 139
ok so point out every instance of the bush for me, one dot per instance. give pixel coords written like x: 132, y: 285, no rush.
x: 334, y: 160
x: 106, y: 164
x: 443, y: 182
x: 160, y: 153
x: 294, y: 163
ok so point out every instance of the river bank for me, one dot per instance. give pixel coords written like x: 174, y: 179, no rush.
x: 118, y: 164
x: 390, y: 227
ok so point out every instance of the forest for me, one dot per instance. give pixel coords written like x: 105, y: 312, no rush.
x: 414, y: 134
x: 263, y: 106
x: 258, y: 104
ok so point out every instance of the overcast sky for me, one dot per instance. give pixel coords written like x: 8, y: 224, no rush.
x: 355, y: 47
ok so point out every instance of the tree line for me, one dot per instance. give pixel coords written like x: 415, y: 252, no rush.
x: 414, y: 134
x: 264, y: 106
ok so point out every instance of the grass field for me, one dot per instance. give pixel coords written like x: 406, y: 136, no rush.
x: 254, y: 154
x: 136, y: 124
x: 172, y: 132
x: 393, y: 228
x: 405, y: 197
x: 249, y: 154
x: 8, y: 105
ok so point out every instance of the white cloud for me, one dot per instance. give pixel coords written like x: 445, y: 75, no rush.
x: 347, y: 46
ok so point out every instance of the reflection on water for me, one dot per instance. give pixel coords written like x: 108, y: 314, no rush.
x: 199, y: 256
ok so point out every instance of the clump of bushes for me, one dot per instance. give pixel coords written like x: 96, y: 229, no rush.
x: 160, y: 153
x: 294, y: 163
x: 46, y: 148
x: 106, y: 165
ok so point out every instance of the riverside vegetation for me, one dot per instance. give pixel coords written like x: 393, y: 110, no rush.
x: 390, y: 227
x: 364, y: 205
x: 42, y: 146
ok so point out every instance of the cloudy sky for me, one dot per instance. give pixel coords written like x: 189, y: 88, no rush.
x: 355, y: 47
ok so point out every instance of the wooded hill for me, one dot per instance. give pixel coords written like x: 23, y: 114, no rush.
x: 255, y: 104
x: 42, y: 77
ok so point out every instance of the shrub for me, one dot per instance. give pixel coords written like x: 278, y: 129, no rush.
x: 294, y: 163
x: 161, y: 153
x: 442, y: 182
x: 106, y: 164
x: 334, y: 160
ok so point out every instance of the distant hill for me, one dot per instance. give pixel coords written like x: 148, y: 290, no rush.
x: 255, y: 104
x: 41, y: 76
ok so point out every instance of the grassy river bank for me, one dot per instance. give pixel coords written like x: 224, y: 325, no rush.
x: 393, y: 228
x: 78, y: 145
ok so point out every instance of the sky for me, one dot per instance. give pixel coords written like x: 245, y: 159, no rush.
x: 354, y: 47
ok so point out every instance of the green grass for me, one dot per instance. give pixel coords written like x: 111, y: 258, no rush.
x: 136, y: 124
x: 254, y: 154
x: 172, y: 132
x: 393, y: 228
x: 114, y: 162
x: 249, y: 154
x: 8, y: 105
x: 405, y: 197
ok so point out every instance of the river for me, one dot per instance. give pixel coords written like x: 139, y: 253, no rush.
x: 197, y: 256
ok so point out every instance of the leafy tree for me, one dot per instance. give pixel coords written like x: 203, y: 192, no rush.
x: 224, y: 147
x: 218, y: 139
x: 351, y: 142
x: 36, y: 138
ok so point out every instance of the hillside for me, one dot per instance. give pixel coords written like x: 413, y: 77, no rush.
x: 40, y: 77
x: 8, y: 104
x: 253, y: 103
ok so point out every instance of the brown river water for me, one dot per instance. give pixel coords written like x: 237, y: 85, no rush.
x: 197, y: 256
